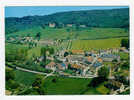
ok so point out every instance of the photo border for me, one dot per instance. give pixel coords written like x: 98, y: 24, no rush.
x: 4, y: 3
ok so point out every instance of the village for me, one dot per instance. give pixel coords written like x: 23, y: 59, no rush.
x: 82, y: 52
x: 80, y: 63
x: 85, y: 64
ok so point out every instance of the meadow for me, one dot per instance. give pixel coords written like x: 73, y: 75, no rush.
x: 66, y: 86
x: 71, y: 33
x: 96, y: 44
x: 24, y: 78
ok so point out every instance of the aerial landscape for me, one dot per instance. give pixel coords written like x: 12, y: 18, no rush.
x: 67, y: 51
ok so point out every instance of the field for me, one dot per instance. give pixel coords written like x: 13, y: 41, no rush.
x: 72, y: 86
x: 11, y: 48
x: 34, y: 51
x: 96, y: 44
x: 71, y: 33
x: 24, y: 78
x: 124, y: 56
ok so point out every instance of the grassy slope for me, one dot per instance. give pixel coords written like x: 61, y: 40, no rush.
x: 66, y: 86
x: 96, y: 44
x: 34, y: 51
x: 62, y: 33
x: 95, y: 33
x: 25, y: 78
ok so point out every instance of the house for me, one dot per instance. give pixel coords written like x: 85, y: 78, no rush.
x: 109, y: 57
x: 97, y: 64
x: 89, y: 60
x: 100, y: 60
x: 83, y: 26
x: 39, y: 59
x: 77, y: 67
x: 76, y: 59
x: 62, y: 66
x: 11, y: 39
x: 69, y: 25
x: 123, y: 49
x: 52, y: 25
x: 51, y: 65
x: 61, y: 59
x: 50, y: 58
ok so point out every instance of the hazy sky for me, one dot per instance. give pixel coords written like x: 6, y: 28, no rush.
x: 21, y: 11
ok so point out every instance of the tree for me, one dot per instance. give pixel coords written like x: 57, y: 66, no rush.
x: 38, y: 85
x: 125, y: 43
x: 125, y: 65
x: 10, y: 82
x: 103, y: 73
x: 77, y: 26
x: 10, y: 75
x: 66, y: 54
x: 43, y: 53
x: 37, y: 82
x: 54, y: 80
x: 38, y: 35
x: 69, y: 66
x: 51, y: 50
x: 95, y: 82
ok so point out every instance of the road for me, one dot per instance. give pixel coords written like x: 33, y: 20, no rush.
x: 81, y: 76
x: 47, y: 75
x: 27, y: 70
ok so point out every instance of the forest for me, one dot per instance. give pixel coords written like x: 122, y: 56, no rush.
x: 114, y: 18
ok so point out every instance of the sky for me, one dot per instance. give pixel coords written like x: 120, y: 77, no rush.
x: 20, y: 11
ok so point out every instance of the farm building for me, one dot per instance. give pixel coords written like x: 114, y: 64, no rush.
x: 97, y: 64
x: 82, y: 26
x: 52, y: 25
x: 100, y: 60
x: 76, y: 59
x: 51, y: 65
x: 89, y: 59
x: 62, y: 66
x: 109, y: 57
x: 69, y: 25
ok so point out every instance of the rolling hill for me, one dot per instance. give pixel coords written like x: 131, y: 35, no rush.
x: 113, y: 18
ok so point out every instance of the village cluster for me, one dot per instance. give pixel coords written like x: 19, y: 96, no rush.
x: 85, y: 64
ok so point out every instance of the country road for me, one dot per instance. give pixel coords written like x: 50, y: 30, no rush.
x: 26, y: 70
x: 49, y: 74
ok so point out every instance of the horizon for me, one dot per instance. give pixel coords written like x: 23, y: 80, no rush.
x: 23, y: 11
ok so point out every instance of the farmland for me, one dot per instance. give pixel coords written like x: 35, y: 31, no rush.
x: 25, y: 78
x: 96, y: 44
x: 64, y: 86
x: 63, y: 33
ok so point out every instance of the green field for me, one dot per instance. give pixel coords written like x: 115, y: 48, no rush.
x: 11, y: 48
x: 62, y: 33
x: 124, y: 56
x: 24, y: 78
x: 34, y: 51
x: 96, y: 44
x: 72, y: 86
